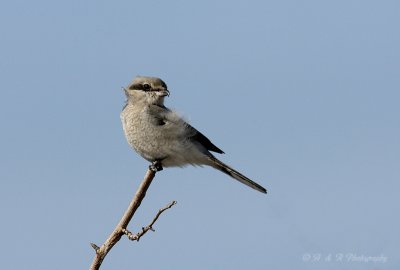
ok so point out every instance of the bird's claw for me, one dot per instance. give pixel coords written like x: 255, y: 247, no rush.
x: 156, y: 166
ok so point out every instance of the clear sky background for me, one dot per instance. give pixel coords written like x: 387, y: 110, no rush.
x: 303, y: 96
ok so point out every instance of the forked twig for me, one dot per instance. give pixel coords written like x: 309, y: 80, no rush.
x: 120, y: 229
x: 137, y: 236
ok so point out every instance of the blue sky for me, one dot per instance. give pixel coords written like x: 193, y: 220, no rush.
x: 303, y: 96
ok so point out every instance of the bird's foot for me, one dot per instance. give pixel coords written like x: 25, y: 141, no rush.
x: 156, y: 166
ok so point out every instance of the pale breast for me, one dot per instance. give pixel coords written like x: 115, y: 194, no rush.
x: 160, y: 135
x: 148, y: 134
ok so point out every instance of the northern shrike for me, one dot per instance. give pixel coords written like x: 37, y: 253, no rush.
x: 162, y: 137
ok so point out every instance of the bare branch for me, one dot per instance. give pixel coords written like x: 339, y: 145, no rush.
x: 137, y: 236
x: 116, y: 235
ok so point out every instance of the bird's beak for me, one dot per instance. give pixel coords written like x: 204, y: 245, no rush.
x: 164, y: 92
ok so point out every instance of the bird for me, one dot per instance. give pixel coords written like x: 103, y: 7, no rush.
x: 163, y: 137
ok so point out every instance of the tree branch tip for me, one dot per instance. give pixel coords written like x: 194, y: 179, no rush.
x: 95, y: 247
x: 168, y: 206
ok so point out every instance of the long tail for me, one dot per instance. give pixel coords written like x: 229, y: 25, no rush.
x: 219, y: 165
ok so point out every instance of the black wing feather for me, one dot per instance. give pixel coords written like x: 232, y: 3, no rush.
x: 199, y: 137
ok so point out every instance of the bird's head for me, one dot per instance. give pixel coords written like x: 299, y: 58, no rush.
x: 151, y: 90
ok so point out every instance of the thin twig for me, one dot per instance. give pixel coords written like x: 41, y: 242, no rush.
x: 137, y: 236
x: 116, y: 235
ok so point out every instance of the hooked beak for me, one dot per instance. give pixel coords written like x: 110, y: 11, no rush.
x: 164, y: 92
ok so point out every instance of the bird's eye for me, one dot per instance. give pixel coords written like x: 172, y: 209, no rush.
x: 146, y: 86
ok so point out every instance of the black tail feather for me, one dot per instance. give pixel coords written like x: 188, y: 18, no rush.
x: 236, y: 175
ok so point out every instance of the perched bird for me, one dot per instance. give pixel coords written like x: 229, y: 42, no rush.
x: 162, y: 137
